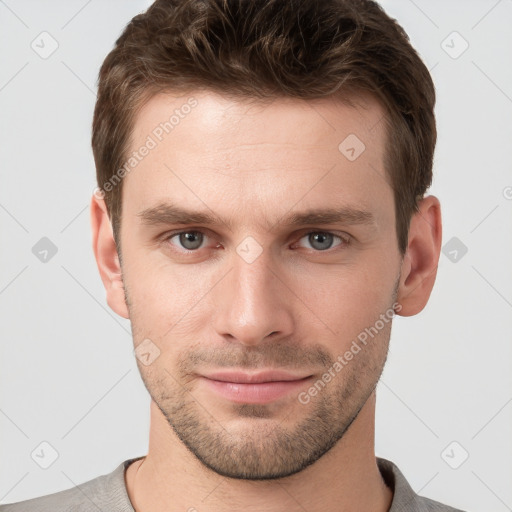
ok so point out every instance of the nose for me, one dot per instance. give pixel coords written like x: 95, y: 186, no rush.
x: 253, y: 302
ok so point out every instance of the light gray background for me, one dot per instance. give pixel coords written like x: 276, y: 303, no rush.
x: 68, y: 375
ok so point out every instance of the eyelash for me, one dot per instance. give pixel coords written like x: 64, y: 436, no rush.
x: 344, y: 240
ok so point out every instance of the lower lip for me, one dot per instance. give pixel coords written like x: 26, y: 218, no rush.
x: 259, y: 393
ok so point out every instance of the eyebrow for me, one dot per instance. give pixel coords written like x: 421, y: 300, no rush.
x: 166, y: 213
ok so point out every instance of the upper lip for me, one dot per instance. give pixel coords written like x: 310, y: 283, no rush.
x: 262, y: 376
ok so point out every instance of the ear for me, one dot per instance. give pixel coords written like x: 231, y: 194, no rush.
x: 107, y: 259
x: 419, y: 265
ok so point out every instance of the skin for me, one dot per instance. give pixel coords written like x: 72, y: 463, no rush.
x: 294, y: 307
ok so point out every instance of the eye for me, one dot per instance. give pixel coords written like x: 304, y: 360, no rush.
x: 189, y: 240
x: 323, y: 240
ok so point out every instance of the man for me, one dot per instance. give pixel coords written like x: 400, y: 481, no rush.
x: 260, y: 218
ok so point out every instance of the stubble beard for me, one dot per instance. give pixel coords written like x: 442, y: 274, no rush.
x: 261, y: 447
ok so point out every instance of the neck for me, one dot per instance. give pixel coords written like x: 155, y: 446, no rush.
x: 346, y: 478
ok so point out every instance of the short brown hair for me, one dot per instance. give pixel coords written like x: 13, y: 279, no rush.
x: 263, y: 49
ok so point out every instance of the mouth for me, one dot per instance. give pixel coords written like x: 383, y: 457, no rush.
x: 255, y: 388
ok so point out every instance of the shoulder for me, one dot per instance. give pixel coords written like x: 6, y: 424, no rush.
x: 105, y: 492
x: 404, y: 498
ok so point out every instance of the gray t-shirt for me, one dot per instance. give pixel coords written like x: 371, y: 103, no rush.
x: 107, y: 493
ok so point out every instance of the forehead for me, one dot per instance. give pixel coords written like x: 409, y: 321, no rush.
x: 166, y: 116
x: 245, y: 154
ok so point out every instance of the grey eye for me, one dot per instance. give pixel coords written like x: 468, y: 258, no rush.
x: 321, y: 241
x: 191, y: 240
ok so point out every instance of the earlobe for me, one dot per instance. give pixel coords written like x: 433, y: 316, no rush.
x: 419, y: 265
x: 107, y: 258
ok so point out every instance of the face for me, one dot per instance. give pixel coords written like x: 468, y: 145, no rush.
x: 252, y: 241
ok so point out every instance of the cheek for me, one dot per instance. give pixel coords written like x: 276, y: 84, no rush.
x: 165, y: 298
x: 349, y: 300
